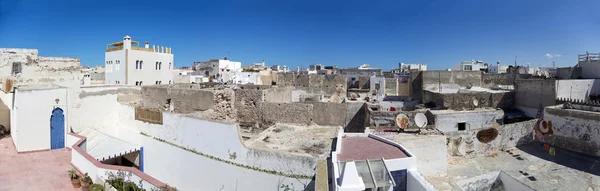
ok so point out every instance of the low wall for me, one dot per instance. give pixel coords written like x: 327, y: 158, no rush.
x: 323, y: 84
x: 298, y: 113
x: 325, y: 113
x: 217, y: 139
x: 96, y: 107
x: 475, y: 142
x: 85, y: 163
x: 570, y: 129
x: 530, y: 94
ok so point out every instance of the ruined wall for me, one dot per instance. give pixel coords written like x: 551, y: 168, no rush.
x: 388, y: 118
x: 325, y: 84
x: 325, y: 113
x: 298, y: 113
x: 491, y: 80
x: 487, y: 141
x: 391, y: 86
x: 529, y: 94
x: 39, y: 69
x: 246, y: 104
x: 184, y: 100
x: 432, y: 80
x: 457, y: 101
x: 278, y: 94
x: 570, y: 129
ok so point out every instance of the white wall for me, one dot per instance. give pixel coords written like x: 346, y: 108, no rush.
x: 33, y: 109
x: 218, y: 139
x: 578, y: 130
x: 189, y: 171
x: 577, y: 89
x: 246, y: 78
x: 94, y: 107
x: 448, y: 122
x: 112, y: 74
x: 416, y: 182
x: 149, y: 74
x: 590, y: 69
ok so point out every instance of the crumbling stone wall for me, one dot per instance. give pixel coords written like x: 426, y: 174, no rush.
x: 298, y: 113
x: 246, y: 104
x: 278, y: 94
x: 183, y: 100
x: 39, y: 69
x: 432, y: 80
x: 325, y: 84
x: 391, y: 86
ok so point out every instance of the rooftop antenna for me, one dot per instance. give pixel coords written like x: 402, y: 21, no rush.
x: 515, y: 61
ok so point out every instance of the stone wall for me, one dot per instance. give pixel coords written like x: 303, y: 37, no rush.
x: 457, y: 101
x: 278, y: 94
x: 433, y: 80
x: 39, y: 69
x: 529, y: 94
x: 415, y: 82
x: 297, y: 113
x: 184, y: 100
x: 357, y: 117
x: 323, y: 84
x: 487, y: 141
x: 491, y: 80
x: 391, y: 86
x: 570, y: 129
x: 325, y: 113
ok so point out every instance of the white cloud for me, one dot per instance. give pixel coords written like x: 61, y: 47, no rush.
x: 550, y: 56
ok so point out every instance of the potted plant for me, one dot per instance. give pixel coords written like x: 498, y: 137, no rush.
x: 85, y: 182
x: 96, y: 187
x: 74, y: 178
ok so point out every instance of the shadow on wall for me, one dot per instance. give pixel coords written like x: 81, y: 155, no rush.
x: 356, y: 118
x: 563, y: 157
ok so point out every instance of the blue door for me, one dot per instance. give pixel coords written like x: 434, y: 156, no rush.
x: 57, y: 129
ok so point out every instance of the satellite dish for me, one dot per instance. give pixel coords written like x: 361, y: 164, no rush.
x: 475, y: 102
x: 420, y: 120
x: 402, y: 121
x: 353, y: 96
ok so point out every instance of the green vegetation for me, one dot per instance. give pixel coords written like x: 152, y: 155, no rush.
x: 297, y: 176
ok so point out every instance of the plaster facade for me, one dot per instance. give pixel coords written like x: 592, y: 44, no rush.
x: 30, y: 68
x: 449, y: 121
x: 570, y: 129
x: 30, y: 116
x: 130, y: 65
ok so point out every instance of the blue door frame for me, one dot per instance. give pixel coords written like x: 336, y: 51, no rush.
x: 57, y: 129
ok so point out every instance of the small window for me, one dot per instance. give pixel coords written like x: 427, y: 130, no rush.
x: 160, y: 66
x: 156, y: 66
x: 462, y: 126
x: 137, y: 64
x: 141, y: 65
x: 156, y: 82
x: 16, y: 68
x: 170, y: 66
x: 137, y: 83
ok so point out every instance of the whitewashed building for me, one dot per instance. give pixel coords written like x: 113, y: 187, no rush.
x: 405, y: 68
x: 473, y: 65
x: 219, y: 70
x: 497, y: 69
x: 127, y: 63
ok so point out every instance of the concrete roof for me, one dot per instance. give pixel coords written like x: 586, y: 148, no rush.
x: 364, y: 148
x: 38, y: 87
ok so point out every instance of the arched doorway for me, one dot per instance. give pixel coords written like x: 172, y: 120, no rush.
x: 57, y: 129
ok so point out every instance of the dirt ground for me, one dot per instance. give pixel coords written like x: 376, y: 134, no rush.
x: 314, y: 140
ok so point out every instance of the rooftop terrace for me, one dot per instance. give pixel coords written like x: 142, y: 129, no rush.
x: 364, y: 148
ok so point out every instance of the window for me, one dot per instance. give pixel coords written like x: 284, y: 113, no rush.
x: 137, y: 64
x: 156, y: 82
x: 118, y: 65
x: 156, y: 66
x: 462, y: 126
x: 170, y: 66
x: 468, y: 67
x: 160, y: 66
x: 16, y: 68
x: 141, y: 66
x: 159, y: 82
x: 169, y: 81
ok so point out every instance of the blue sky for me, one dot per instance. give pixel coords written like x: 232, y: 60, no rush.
x: 297, y: 33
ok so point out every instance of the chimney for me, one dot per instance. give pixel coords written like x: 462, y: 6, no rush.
x: 146, y: 45
x: 154, y: 48
x: 127, y: 42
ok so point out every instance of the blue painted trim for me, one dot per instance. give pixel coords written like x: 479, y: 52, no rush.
x: 142, y: 159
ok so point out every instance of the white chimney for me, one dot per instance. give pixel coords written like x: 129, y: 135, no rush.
x: 127, y: 42
x: 146, y: 45
x: 154, y: 48
x: 162, y: 49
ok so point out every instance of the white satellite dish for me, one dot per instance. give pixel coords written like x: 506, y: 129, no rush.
x: 420, y: 120
x: 475, y: 102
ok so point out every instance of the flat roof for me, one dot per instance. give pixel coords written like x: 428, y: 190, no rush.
x: 367, y: 148
x: 476, y: 110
